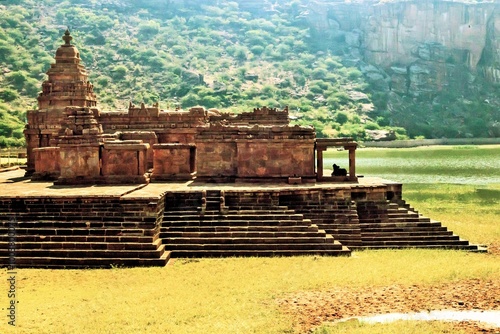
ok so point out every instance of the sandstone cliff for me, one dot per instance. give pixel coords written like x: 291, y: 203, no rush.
x: 418, y: 46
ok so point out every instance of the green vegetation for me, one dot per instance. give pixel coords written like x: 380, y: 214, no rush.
x: 218, y: 54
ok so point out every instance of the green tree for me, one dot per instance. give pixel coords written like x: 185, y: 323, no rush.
x: 8, y: 95
x: 17, y: 79
x: 341, y: 117
x: 119, y: 72
x: 149, y: 28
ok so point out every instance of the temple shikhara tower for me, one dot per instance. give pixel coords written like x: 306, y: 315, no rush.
x: 190, y: 183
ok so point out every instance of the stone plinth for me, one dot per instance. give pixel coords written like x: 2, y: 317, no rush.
x: 174, y: 162
x: 124, y: 161
x: 46, y: 163
x: 146, y: 137
x: 79, y: 163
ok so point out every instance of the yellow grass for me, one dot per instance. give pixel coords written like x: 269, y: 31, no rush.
x: 398, y: 327
x: 216, y: 295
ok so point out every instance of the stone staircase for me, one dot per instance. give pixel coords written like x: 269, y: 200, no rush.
x: 107, y: 231
x: 386, y: 224
x: 215, y: 224
x: 81, y: 232
x: 337, y: 216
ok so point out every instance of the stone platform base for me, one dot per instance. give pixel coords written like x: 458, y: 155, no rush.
x: 172, y: 177
x: 106, y: 226
x: 111, y: 180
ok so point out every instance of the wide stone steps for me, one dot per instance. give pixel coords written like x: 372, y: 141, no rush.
x: 76, y: 224
x: 260, y: 253
x: 28, y: 245
x: 401, y: 204
x: 464, y: 247
x: 117, y: 231
x: 213, y: 222
x: 393, y: 219
x: 227, y: 211
x: 234, y: 217
x: 321, y: 207
x: 328, y: 217
x: 248, y: 239
x: 89, y: 253
x: 408, y: 243
x: 388, y: 225
x: 343, y: 226
x: 27, y: 217
x: 82, y: 232
x: 244, y: 229
x: 81, y: 238
x: 256, y: 247
x: 337, y: 216
x: 441, y: 231
x: 246, y: 234
x: 409, y: 238
x: 401, y: 224
x: 55, y: 248
x: 86, y: 262
x: 259, y: 208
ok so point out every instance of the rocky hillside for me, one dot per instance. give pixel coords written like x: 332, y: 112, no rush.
x: 437, y: 63
x: 367, y: 69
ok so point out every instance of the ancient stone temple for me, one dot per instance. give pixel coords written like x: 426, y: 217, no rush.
x: 71, y: 141
x: 155, y: 183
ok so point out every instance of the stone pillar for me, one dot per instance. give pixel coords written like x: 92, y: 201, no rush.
x: 319, y: 162
x: 352, y: 163
x: 32, y: 142
x: 348, y: 144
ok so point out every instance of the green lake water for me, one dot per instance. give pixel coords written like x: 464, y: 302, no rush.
x: 478, y: 165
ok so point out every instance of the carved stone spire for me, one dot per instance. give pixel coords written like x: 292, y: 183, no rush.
x: 67, y: 83
x: 67, y: 37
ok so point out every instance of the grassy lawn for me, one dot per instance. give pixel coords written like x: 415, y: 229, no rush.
x: 239, y: 295
x: 218, y: 295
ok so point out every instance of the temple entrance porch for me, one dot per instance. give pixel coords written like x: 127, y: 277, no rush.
x: 340, y: 174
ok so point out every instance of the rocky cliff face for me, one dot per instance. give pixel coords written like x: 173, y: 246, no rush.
x: 416, y: 46
x: 435, y: 61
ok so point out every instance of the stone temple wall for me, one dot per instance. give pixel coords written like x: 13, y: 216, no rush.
x: 258, y: 151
